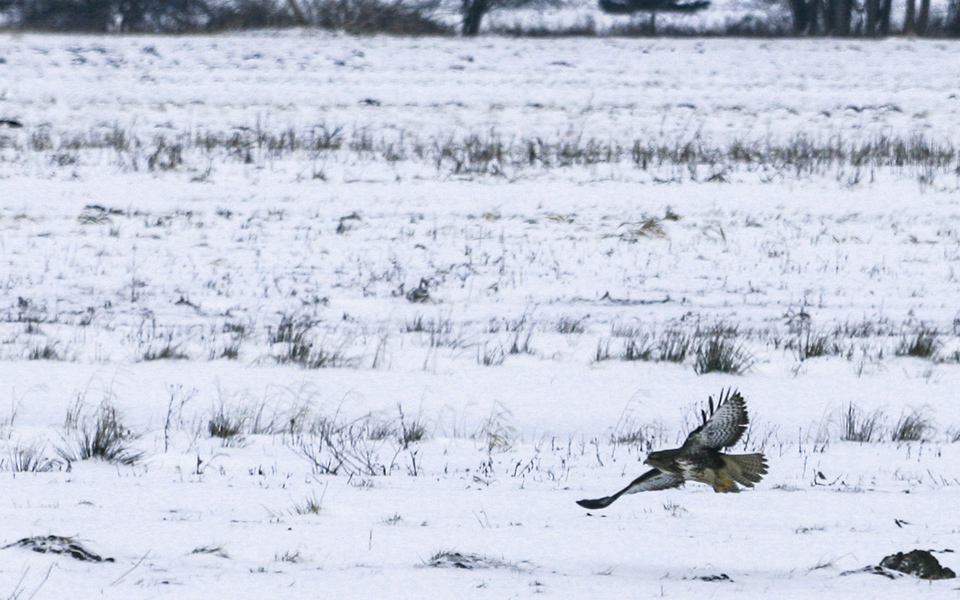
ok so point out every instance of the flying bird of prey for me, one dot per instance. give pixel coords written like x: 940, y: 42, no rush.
x: 699, y: 458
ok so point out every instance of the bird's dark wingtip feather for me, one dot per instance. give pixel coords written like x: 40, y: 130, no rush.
x: 594, y: 504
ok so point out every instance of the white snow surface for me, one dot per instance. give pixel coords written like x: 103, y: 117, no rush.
x: 107, y: 263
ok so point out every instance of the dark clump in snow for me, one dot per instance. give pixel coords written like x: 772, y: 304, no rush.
x: 58, y: 545
x: 720, y: 577
x: 920, y: 563
x: 876, y: 570
x: 465, y: 560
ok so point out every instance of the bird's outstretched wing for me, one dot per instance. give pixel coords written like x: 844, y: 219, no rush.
x: 724, y: 426
x: 651, y: 481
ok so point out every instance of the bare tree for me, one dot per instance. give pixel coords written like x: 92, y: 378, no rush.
x: 804, y: 14
x: 910, y: 17
x: 877, y: 17
x: 923, y: 17
x: 953, y: 19
x: 842, y: 17
x: 473, y: 12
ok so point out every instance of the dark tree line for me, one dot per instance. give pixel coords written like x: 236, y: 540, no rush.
x: 109, y: 15
x: 98, y: 16
x: 400, y: 17
x: 835, y: 17
x: 870, y: 18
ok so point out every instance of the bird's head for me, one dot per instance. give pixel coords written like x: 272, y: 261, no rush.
x: 663, y: 460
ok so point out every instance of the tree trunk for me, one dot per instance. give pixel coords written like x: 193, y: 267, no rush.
x: 818, y: 17
x: 923, y: 17
x: 829, y: 14
x: 841, y: 17
x: 473, y: 11
x: 298, y: 15
x: 884, y: 22
x: 910, y: 18
x: 953, y: 18
x: 801, y: 16
x: 873, y: 15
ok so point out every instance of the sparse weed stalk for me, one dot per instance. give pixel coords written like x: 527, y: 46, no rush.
x: 167, y: 351
x: 491, y: 154
x: 643, y: 437
x: 394, y: 519
x: 311, y: 505
x: 47, y: 351
x: 29, y: 458
x: 603, y: 351
x: 721, y: 354
x: 440, y: 331
x: 302, y: 349
x: 638, y: 348
x: 227, y: 424
x: 521, y: 343
x: 288, y: 556
x: 813, y: 344
x: 288, y: 329
x: 412, y: 431
x: 165, y: 155
x: 496, y: 431
x: 569, y: 325
x: 921, y: 344
x: 674, y: 509
x: 620, y: 330
x: 336, y: 448
x: 673, y: 346
x: 859, y: 426
x: 416, y: 324
x: 152, y: 341
x: 230, y: 350
x: 380, y: 430
x: 490, y: 356
x: 174, y: 419
x: 103, y: 437
x: 912, y: 426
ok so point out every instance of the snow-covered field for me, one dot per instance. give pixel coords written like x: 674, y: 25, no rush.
x: 344, y: 249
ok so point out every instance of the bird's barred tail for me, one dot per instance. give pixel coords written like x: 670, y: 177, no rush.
x: 745, y: 469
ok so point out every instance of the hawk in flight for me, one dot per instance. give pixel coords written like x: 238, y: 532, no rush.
x: 699, y: 458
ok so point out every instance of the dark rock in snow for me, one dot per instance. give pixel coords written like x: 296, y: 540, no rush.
x: 421, y: 294
x: 56, y: 544
x: 920, y: 563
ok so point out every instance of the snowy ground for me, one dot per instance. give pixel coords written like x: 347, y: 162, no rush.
x: 182, y: 281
